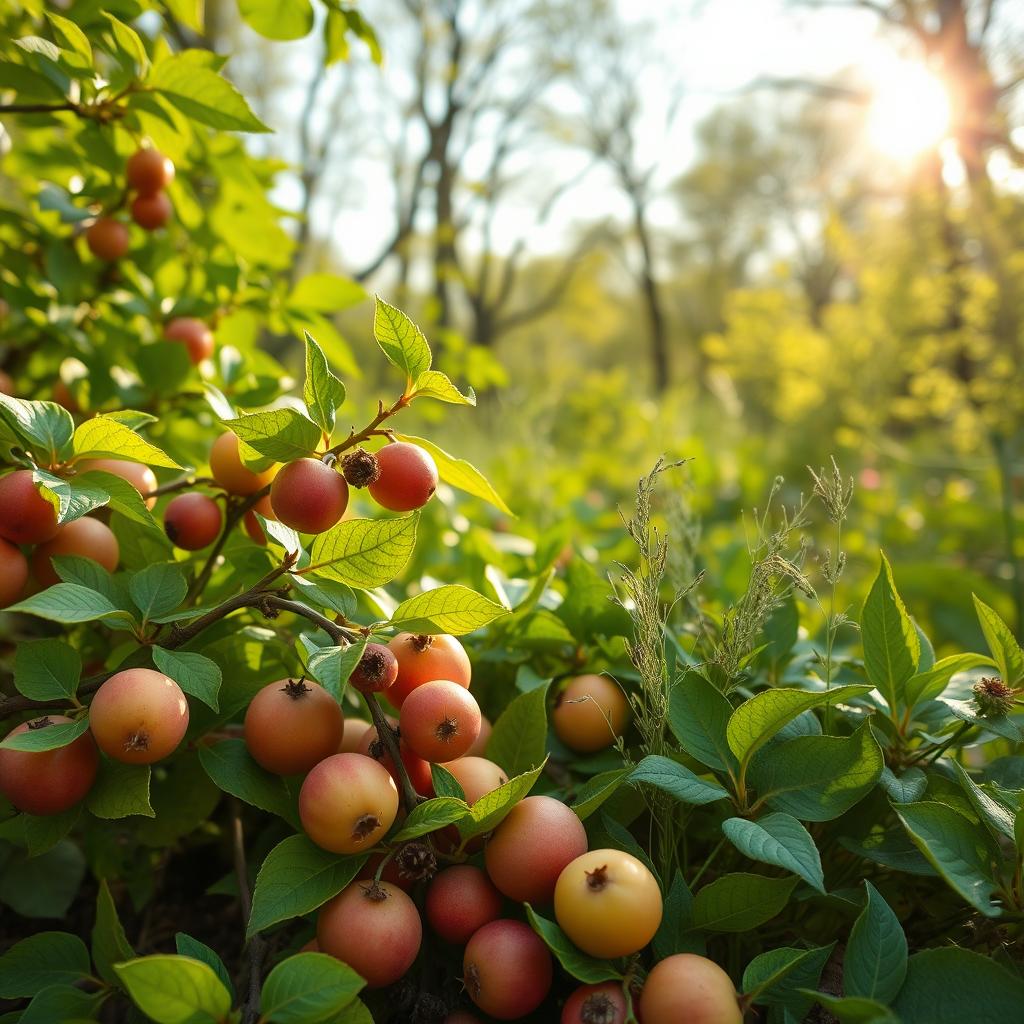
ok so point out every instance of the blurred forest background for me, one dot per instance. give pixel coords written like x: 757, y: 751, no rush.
x: 752, y: 233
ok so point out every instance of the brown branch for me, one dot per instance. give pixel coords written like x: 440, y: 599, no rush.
x: 38, y: 108
x: 388, y: 736
x: 371, y: 429
x: 183, y: 483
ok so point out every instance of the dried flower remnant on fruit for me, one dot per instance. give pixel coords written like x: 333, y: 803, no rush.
x: 598, y: 878
x: 138, y: 740
x: 416, y: 861
x: 598, y: 1009
x: 472, y: 981
x: 360, y: 468
x: 364, y: 827
x: 993, y: 698
x: 296, y: 688
x: 374, y: 892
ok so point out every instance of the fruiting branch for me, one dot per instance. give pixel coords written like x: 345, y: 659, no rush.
x: 387, y: 736
x: 384, y: 412
x: 183, y: 483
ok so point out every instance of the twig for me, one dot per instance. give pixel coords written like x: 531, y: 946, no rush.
x: 183, y: 483
x: 38, y: 108
x: 388, y: 736
x: 383, y: 412
x: 257, y: 947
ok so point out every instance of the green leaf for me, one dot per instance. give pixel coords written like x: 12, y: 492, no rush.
x: 1001, y: 642
x: 91, y: 575
x: 331, y: 667
x: 103, y: 436
x: 47, y: 958
x: 186, y: 945
x: 699, y: 717
x: 907, y: 788
x: 296, y: 878
x: 678, y: 781
x: 197, y: 675
x: 781, y: 840
x: 758, y: 719
x: 325, y: 293
x: 958, y: 850
x: 280, y: 434
x: 739, y: 902
x: 435, y: 384
x: 129, y: 43
x: 401, y: 340
x: 490, y: 810
x: 124, y: 500
x: 520, y: 734
x: 965, y: 710
x: 175, y: 989
x: 308, y: 988
x: 45, y: 426
x: 577, y: 964
x: 817, y: 778
x: 928, y: 685
x: 875, y: 963
x: 951, y: 986
x: 46, y: 669
x: 278, y: 19
x: 158, y: 589
x: 68, y: 603
x: 597, y: 790
x: 429, y: 817
x: 892, y: 648
x: 459, y: 473
x: 232, y: 769
x: 110, y: 945
x: 42, y: 833
x: 46, y: 737
x: 445, y: 784
x: 202, y: 94
x: 451, y: 608
x: 322, y: 392
x: 774, y: 978
x: 120, y: 790
x: 43, y: 886
x: 855, y: 1009
x: 997, y: 818
x: 365, y: 553
x: 62, y: 1003
x: 70, y: 36
x: 675, y: 933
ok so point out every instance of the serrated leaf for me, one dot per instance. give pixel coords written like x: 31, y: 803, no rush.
x: 103, y: 437
x: 332, y: 666
x: 678, y: 781
x: 197, y: 675
x: 519, y: 737
x: 68, y: 603
x: 459, y: 473
x: 364, y: 553
x: 892, y: 648
x: 584, y: 968
x: 322, y: 391
x: 429, y: 817
x: 158, y: 589
x: 451, y: 608
x: 308, y: 988
x: 875, y: 962
x: 435, y: 384
x: 781, y: 840
x: 741, y: 901
x: 1001, y: 642
x: 46, y: 669
x: 445, y: 784
x: 175, y: 989
x: 400, y: 340
x: 283, y: 435
x: 202, y: 94
x: 232, y: 769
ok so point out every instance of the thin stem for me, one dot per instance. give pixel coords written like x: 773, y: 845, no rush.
x: 388, y: 736
x: 183, y: 483
x: 932, y: 754
x: 707, y: 863
x: 257, y: 947
x: 383, y: 412
x: 38, y: 108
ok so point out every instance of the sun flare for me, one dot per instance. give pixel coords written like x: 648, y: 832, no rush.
x: 910, y: 109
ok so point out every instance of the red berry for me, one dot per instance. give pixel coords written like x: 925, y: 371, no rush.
x: 407, y: 480
x: 461, y: 900
x: 26, y: 517
x: 309, y: 496
x: 193, y: 521
x: 148, y: 171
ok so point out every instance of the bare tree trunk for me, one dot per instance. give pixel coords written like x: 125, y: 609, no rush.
x: 652, y: 301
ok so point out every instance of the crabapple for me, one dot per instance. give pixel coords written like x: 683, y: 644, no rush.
x: 231, y: 473
x: 193, y: 334
x: 532, y: 846
x: 148, y: 171
x: 48, y: 781
x: 253, y: 529
x: 416, y: 768
x: 460, y: 900
x: 608, y: 903
x: 107, y: 239
x: 479, y: 747
x: 138, y: 716
x: 507, y: 969
x: 26, y: 517
x: 193, y: 521
x: 309, y: 496
x: 439, y: 721
x: 596, y: 1004
x: 376, y: 671
x: 13, y: 573
x: 141, y: 477
x: 477, y: 776
x: 151, y: 212
x: 347, y: 802
x: 85, y: 537
x: 691, y: 988
x: 407, y: 477
x: 374, y: 927
x: 424, y: 659
x: 590, y: 712
x: 291, y: 726
x: 355, y: 730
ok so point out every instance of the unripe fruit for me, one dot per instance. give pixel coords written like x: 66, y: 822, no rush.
x: 596, y: 1004
x: 690, y: 988
x: 231, y: 473
x: 407, y: 477
x: 13, y: 573
x: 439, y: 721
x: 193, y: 521
x: 148, y: 171
x: 477, y: 776
x: 309, y: 496
x: 479, y: 747
x: 291, y: 725
x: 355, y: 730
x: 6, y: 383
x: 590, y: 712
x: 151, y: 212
x: 193, y: 334
x: 138, y: 716
x: 538, y: 839
x: 608, y: 903
x: 507, y: 969
x: 26, y: 517
x: 424, y: 659
x: 141, y: 477
x: 376, y: 671
x: 461, y: 900
x: 374, y: 928
x: 107, y: 239
x: 87, y: 538
x: 48, y: 781
x: 416, y: 768
x: 347, y: 803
